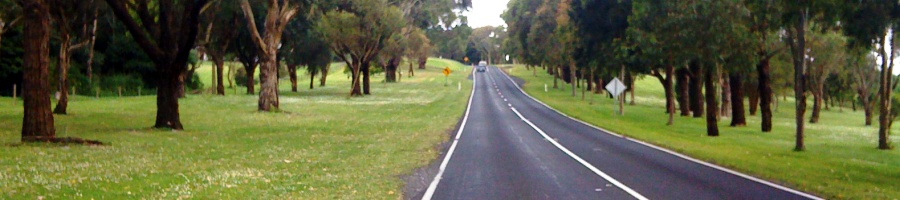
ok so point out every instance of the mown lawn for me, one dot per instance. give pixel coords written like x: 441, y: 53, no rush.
x: 841, y: 161
x: 324, y: 145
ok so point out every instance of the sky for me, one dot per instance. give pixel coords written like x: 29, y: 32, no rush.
x: 486, y: 13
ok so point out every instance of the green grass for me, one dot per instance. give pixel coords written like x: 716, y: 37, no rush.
x: 840, y: 161
x: 323, y: 146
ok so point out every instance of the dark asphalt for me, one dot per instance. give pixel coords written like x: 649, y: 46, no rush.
x: 501, y: 156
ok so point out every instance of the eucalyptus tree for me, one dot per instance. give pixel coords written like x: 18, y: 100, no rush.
x: 541, y: 37
x: 764, y: 21
x: 519, y: 16
x: 796, y: 18
x: 872, y: 25
x: 279, y: 13
x: 825, y: 60
x: 37, y: 124
x: 357, y: 31
x: 166, y: 31
x: 217, y: 33
x: 72, y: 21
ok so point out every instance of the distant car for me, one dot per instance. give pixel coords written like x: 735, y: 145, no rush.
x: 482, y: 66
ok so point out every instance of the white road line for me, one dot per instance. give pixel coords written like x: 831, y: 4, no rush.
x: 437, y: 178
x: 739, y: 174
x: 585, y: 163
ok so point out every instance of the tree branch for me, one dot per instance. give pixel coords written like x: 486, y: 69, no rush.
x: 140, y: 36
x: 251, y: 24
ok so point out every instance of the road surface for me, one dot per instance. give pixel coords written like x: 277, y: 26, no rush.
x: 511, y: 146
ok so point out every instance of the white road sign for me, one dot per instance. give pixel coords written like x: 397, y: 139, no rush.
x: 615, y: 87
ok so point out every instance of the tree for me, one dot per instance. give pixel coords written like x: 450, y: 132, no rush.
x: 166, y: 32
x: 69, y: 17
x: 825, y: 60
x: 871, y: 25
x: 217, y: 36
x: 357, y: 32
x: 765, y: 18
x: 37, y: 125
x: 797, y: 16
x: 278, y: 15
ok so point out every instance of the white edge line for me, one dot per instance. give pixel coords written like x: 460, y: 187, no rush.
x: 437, y: 178
x: 582, y: 161
x: 739, y: 174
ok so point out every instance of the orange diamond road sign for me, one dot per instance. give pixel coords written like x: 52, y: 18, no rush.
x: 447, y: 71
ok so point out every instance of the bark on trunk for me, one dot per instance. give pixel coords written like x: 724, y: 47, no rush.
x: 725, y: 108
x: 355, y: 88
x: 390, y: 69
x: 670, y: 93
x: 799, y: 51
x: 312, y: 78
x: 251, y: 78
x: 63, y: 72
x: 555, y: 77
x: 572, y: 77
x: 220, y: 75
x: 365, y: 78
x: 753, y: 99
x: 323, y: 76
x: 867, y: 105
x: 738, y: 118
x: 696, y: 89
x: 817, y: 104
x: 764, y: 86
x: 167, y: 115
x: 683, y: 96
x: 712, y: 125
x: 37, y: 124
x: 268, y: 94
x: 292, y: 73
x: 422, y: 62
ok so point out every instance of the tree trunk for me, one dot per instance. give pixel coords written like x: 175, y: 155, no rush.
x: 765, y: 93
x: 390, y: 70
x: 220, y: 75
x: 268, y: 73
x: 738, y: 118
x: 292, y: 73
x: 572, y: 76
x: 365, y: 78
x: 817, y: 103
x: 411, y: 72
x: 37, y: 124
x: 251, y: 79
x: 670, y: 93
x: 631, y: 87
x: 323, y: 76
x: 725, y: 108
x: 312, y: 78
x: 63, y: 72
x: 167, y: 115
x: 555, y: 77
x: 799, y: 51
x: 356, y: 89
x: 696, y: 89
x: 864, y: 98
x: 422, y: 62
x: 180, y: 91
x: 885, y: 88
x: 682, y: 87
x: 753, y: 99
x: 712, y: 125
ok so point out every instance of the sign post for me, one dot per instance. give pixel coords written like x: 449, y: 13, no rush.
x: 447, y: 72
x: 615, y: 87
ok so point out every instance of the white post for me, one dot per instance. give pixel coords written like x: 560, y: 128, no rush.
x: 458, y: 86
x: 545, y: 87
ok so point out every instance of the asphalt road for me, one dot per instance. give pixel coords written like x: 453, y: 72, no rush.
x: 511, y: 146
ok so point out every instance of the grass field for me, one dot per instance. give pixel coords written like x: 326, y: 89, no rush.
x: 324, y: 145
x: 841, y: 161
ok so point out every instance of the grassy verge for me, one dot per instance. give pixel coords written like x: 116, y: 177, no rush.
x: 323, y: 146
x: 841, y: 161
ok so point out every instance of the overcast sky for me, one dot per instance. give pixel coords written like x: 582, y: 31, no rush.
x: 486, y: 13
